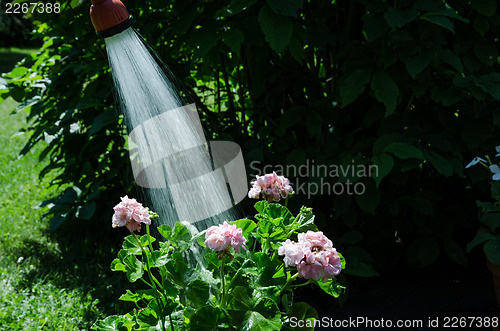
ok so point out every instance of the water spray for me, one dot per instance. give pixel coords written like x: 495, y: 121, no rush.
x: 185, y: 177
x: 109, y: 17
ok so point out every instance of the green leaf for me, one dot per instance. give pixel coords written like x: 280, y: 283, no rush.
x: 452, y: 59
x: 234, y: 38
x: 342, y: 261
x: 386, y: 91
x: 442, y: 165
x: 131, y: 245
x: 277, y: 28
x: 297, y: 50
x: 331, y: 287
x: 302, y: 311
x: 285, y: 7
x: 159, y: 258
x: 254, y: 321
x: 147, y: 319
x: 261, y: 206
x: 236, y: 7
x: 416, y: 64
x: 491, y: 221
x: 398, y: 18
x: 277, y: 211
x: 384, y: 164
x: 490, y: 83
x: 247, y: 226
x: 484, y: 7
x: 354, y: 85
x: 480, y: 238
x: 113, y: 323
x: 178, y: 269
x: 455, y: 252
x: 241, y: 298
x: 492, y: 250
x: 17, y: 72
x: 197, y: 292
x: 130, y: 296
x: 404, y: 151
x: 370, y: 199
x: 86, y: 211
x: 133, y: 268
x: 163, y: 306
x: 437, y: 19
x: 179, y: 236
x: 204, y: 40
x: 206, y: 318
x: 102, y: 120
x: 146, y: 240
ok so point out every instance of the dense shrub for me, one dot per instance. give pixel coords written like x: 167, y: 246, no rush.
x: 410, y: 86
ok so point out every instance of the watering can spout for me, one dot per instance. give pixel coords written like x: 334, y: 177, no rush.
x: 109, y: 17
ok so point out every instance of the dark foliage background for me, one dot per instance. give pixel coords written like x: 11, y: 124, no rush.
x: 410, y: 86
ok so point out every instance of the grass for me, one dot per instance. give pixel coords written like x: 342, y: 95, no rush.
x: 30, y: 297
x: 11, y: 55
x: 47, y: 281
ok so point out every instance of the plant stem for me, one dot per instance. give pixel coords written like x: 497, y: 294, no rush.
x: 303, y: 284
x: 293, y: 223
x: 171, y: 323
x: 151, y: 277
x: 288, y: 282
x: 223, y: 283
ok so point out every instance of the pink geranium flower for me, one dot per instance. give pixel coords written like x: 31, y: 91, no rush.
x: 131, y: 214
x: 221, y: 237
x: 313, y: 255
x: 270, y: 187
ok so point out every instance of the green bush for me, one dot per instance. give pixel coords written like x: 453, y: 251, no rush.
x: 410, y: 86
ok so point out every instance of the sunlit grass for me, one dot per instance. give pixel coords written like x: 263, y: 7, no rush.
x: 33, y: 288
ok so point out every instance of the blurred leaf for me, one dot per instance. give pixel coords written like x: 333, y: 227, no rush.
x: 416, y: 64
x: 404, y: 151
x: 354, y: 85
x: 384, y: 163
x: 386, y: 91
x: 285, y: 7
x: 485, y: 7
x: 277, y: 28
x: 86, y: 211
x: 437, y: 19
x: 233, y: 38
x: 398, y: 18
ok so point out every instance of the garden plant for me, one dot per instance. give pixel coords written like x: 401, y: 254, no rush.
x: 236, y: 279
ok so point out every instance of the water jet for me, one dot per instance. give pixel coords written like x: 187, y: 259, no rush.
x: 184, y: 177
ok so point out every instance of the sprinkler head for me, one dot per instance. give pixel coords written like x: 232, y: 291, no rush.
x: 109, y: 17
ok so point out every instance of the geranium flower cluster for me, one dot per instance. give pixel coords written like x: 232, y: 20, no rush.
x: 313, y: 255
x: 130, y: 213
x: 221, y: 237
x: 271, y: 187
